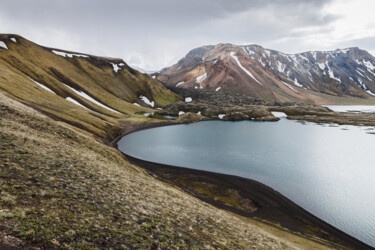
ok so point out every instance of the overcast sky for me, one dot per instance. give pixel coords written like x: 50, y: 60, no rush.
x: 152, y: 34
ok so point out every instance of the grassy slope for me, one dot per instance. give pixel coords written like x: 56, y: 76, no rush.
x: 95, y: 76
x: 61, y: 188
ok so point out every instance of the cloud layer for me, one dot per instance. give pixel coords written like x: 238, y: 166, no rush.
x: 152, y: 34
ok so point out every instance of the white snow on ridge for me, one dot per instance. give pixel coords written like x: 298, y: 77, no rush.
x: 217, y: 89
x: 188, y: 99
x: 116, y: 67
x: 201, y: 78
x: 268, y: 52
x: 261, y: 62
x: 13, y: 39
x: 322, y: 66
x: 84, y: 95
x: 280, y: 67
x: 369, y: 92
x: 289, y: 86
x: 232, y: 54
x: 180, y: 83
x: 3, y: 45
x: 313, y: 53
x: 42, y: 86
x: 64, y: 54
x: 75, y: 102
x: 297, y: 83
x: 146, y: 100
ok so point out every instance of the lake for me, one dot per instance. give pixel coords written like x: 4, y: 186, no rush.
x: 328, y: 170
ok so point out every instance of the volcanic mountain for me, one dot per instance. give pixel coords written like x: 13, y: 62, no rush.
x: 317, y: 76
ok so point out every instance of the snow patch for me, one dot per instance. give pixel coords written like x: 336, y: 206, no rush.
x: 369, y: 92
x: 64, y: 54
x: 136, y: 104
x: 42, y: 86
x: 146, y: 100
x: 289, y: 86
x: 87, y: 97
x: 75, y: 102
x: 180, y: 113
x: 13, y: 39
x: 280, y: 67
x: 201, y: 78
x: 267, y: 52
x: 313, y: 53
x: 221, y: 116
x: 180, y: 83
x: 3, y: 45
x: 297, y: 83
x: 153, y: 77
x: 322, y: 66
x: 188, y: 99
x: 261, y: 62
x: 279, y: 114
x: 232, y: 54
x: 116, y: 67
x: 217, y: 89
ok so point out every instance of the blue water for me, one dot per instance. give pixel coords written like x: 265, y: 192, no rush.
x: 328, y: 170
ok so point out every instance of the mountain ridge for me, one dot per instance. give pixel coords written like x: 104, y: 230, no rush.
x: 302, y: 77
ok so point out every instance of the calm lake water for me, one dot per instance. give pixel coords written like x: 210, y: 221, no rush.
x: 328, y: 170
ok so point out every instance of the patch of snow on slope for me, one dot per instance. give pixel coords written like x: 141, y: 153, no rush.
x: 42, y: 86
x: 180, y: 113
x: 75, y: 102
x: 217, y: 89
x: 153, y: 77
x: 136, y: 104
x: 360, y: 73
x: 268, y: 52
x: 369, y: 92
x: 289, y: 86
x: 232, y: 54
x: 221, y: 116
x: 280, y: 67
x: 180, y: 83
x: 297, y: 83
x: 279, y: 114
x: 13, y: 39
x: 146, y: 100
x: 322, y: 66
x: 304, y: 58
x: 261, y: 62
x: 64, y: 54
x: 368, y: 65
x: 86, y: 96
x: 313, y: 53
x: 188, y: 99
x: 117, y: 67
x: 3, y: 45
x: 201, y: 78
x: 331, y: 75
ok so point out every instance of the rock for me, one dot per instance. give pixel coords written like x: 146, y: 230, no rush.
x: 235, y: 116
x: 189, y: 118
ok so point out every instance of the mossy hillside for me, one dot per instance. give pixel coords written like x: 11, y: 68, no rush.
x: 94, y: 76
x: 63, y: 189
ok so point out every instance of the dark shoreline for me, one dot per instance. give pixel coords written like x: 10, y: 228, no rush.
x: 272, y: 207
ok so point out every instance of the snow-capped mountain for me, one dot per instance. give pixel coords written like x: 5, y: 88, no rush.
x: 251, y: 69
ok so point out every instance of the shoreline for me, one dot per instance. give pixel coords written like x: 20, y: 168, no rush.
x: 273, y: 208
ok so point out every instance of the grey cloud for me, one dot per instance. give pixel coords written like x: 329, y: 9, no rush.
x: 154, y: 34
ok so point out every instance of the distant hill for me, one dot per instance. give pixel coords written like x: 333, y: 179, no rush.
x: 316, y: 76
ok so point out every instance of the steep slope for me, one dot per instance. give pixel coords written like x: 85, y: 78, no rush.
x: 62, y: 189
x: 319, y: 77
x: 89, y: 92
